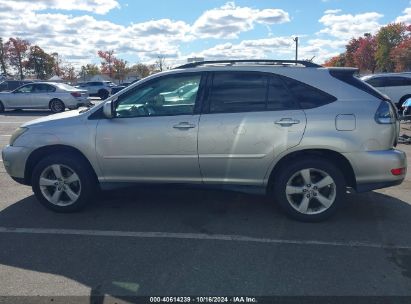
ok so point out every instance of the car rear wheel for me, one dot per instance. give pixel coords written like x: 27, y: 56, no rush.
x: 103, y: 94
x: 310, y: 190
x: 63, y: 183
x: 1, y: 107
x: 57, y: 106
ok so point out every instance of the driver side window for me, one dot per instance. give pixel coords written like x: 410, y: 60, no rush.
x: 165, y: 96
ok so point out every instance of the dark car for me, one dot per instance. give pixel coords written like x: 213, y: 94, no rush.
x: 10, y: 85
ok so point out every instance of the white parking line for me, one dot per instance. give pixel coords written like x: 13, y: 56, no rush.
x: 6, y: 135
x: 196, y: 236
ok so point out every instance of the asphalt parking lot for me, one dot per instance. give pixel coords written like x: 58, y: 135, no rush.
x: 167, y: 241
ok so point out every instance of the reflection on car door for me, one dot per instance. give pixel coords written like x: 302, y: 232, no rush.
x: 21, y: 97
x: 41, y: 97
x: 151, y: 139
x: 250, y: 119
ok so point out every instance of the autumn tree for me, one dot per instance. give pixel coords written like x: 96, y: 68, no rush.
x: 401, y: 56
x: 350, y: 50
x: 3, y: 58
x: 107, y: 64
x: 142, y: 70
x: 388, y: 37
x: 40, y: 63
x: 336, y: 61
x: 17, y: 51
x: 68, y: 73
x: 364, y: 56
x: 120, y: 69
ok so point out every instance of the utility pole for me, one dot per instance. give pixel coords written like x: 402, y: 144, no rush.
x: 296, y: 48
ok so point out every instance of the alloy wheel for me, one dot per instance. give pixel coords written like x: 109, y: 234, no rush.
x: 60, y: 185
x: 311, y: 191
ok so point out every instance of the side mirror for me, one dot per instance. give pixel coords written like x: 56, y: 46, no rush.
x: 108, y: 109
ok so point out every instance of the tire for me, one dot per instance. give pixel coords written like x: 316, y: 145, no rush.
x: 103, y: 94
x: 63, y: 182
x: 57, y: 106
x: 298, y: 191
x: 1, y: 107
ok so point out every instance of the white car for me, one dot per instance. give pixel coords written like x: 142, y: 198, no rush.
x: 397, y: 86
x: 101, y: 89
x: 44, y: 95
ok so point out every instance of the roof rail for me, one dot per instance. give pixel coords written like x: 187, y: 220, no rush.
x: 307, y: 64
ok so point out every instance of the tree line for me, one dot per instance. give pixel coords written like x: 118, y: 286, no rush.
x: 20, y: 59
x: 389, y: 50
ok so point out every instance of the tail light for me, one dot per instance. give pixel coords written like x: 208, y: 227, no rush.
x: 76, y: 94
x: 398, y: 171
x: 385, y: 113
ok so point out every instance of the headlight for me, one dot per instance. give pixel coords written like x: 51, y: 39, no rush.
x: 16, y: 134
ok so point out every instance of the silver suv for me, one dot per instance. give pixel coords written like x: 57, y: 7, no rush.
x: 295, y: 131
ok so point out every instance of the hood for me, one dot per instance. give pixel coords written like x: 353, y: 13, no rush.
x: 52, y: 118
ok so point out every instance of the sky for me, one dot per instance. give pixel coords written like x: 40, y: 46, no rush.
x: 140, y: 31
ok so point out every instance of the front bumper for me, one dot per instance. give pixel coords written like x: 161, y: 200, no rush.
x: 372, y: 169
x: 14, y: 160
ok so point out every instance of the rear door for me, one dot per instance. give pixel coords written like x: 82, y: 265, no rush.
x: 41, y: 95
x: 249, y: 118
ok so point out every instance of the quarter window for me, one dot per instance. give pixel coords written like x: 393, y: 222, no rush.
x: 307, y: 96
x: 165, y: 96
x: 238, y: 92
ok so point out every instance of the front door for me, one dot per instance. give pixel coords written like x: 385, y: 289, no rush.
x: 21, y: 97
x: 153, y: 136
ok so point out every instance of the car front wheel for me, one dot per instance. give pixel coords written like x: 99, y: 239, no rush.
x: 310, y: 190
x: 63, y: 183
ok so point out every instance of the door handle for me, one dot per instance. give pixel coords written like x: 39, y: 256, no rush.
x: 287, y: 122
x: 184, y: 125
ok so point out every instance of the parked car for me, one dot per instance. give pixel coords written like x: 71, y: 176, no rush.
x: 10, y: 85
x: 397, y: 86
x: 102, y: 89
x: 295, y: 131
x: 406, y: 107
x: 44, y: 95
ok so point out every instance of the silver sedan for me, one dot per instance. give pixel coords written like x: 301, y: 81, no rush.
x: 45, y: 95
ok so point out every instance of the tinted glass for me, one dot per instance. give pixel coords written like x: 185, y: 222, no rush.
x: 25, y: 89
x: 376, y: 82
x: 43, y: 88
x: 307, y: 96
x: 279, y: 98
x: 14, y: 85
x: 238, y: 92
x: 161, y: 97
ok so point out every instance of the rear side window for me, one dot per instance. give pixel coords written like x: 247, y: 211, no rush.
x: 279, y: 97
x: 307, y: 96
x: 238, y: 92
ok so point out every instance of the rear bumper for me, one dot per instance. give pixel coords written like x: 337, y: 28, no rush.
x: 372, y: 169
